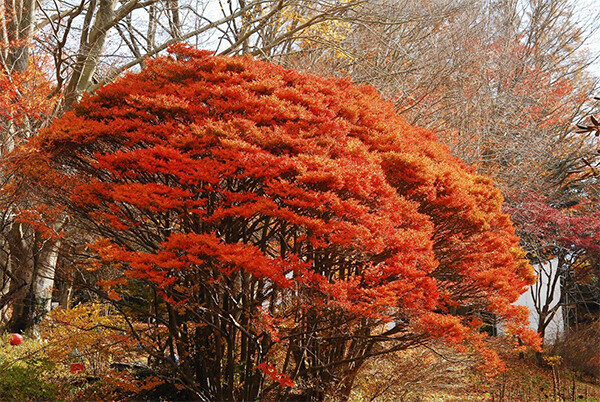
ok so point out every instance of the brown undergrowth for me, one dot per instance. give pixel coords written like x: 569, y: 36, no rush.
x: 442, y: 374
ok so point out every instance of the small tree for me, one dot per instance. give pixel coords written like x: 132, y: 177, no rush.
x: 563, y: 245
x: 274, y: 228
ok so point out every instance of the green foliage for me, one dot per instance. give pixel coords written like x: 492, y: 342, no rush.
x: 22, y: 382
x: 24, y: 373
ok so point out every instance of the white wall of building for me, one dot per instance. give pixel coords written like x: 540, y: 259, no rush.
x: 546, y: 273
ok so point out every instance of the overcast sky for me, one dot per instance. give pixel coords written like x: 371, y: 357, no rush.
x: 590, y: 10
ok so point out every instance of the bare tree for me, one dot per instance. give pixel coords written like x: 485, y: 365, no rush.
x: 501, y: 82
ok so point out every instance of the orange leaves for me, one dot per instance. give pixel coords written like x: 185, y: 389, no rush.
x: 232, y: 187
x: 244, y: 140
x: 444, y: 326
x: 108, y: 284
x: 41, y: 219
x: 152, y: 197
x: 161, y: 103
x: 192, y: 252
x: 527, y: 337
x: 26, y: 94
x: 113, y: 295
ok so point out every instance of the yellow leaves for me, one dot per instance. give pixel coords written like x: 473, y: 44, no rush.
x: 553, y: 361
x: 332, y: 31
x: 89, y: 333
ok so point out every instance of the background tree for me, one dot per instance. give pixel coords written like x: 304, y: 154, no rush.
x: 501, y: 82
x: 563, y: 243
x: 27, y: 259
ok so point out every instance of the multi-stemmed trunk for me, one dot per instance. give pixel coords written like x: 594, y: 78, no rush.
x: 33, y: 264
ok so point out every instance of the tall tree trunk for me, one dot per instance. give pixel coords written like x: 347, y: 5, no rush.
x: 91, y: 46
x: 44, y: 280
x: 65, y: 293
x: 34, y: 264
x: 20, y: 241
x: 17, y: 31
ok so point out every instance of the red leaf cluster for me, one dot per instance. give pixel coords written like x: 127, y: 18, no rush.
x: 224, y: 180
x: 275, y: 375
x: 548, y: 228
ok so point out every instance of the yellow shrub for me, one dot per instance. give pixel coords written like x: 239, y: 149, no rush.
x: 90, y: 334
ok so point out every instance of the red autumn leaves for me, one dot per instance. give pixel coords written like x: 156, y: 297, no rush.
x: 309, y: 191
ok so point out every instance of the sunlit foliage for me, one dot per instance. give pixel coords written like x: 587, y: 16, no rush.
x: 264, y: 221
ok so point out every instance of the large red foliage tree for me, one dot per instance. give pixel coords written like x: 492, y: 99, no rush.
x: 285, y: 226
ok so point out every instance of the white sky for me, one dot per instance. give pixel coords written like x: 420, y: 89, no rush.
x: 590, y: 13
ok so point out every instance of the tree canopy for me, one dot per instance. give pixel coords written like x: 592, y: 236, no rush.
x: 274, y: 217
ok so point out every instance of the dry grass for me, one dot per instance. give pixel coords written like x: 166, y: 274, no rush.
x: 442, y: 374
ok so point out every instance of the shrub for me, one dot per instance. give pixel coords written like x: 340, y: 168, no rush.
x: 275, y: 229
x: 580, y: 350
